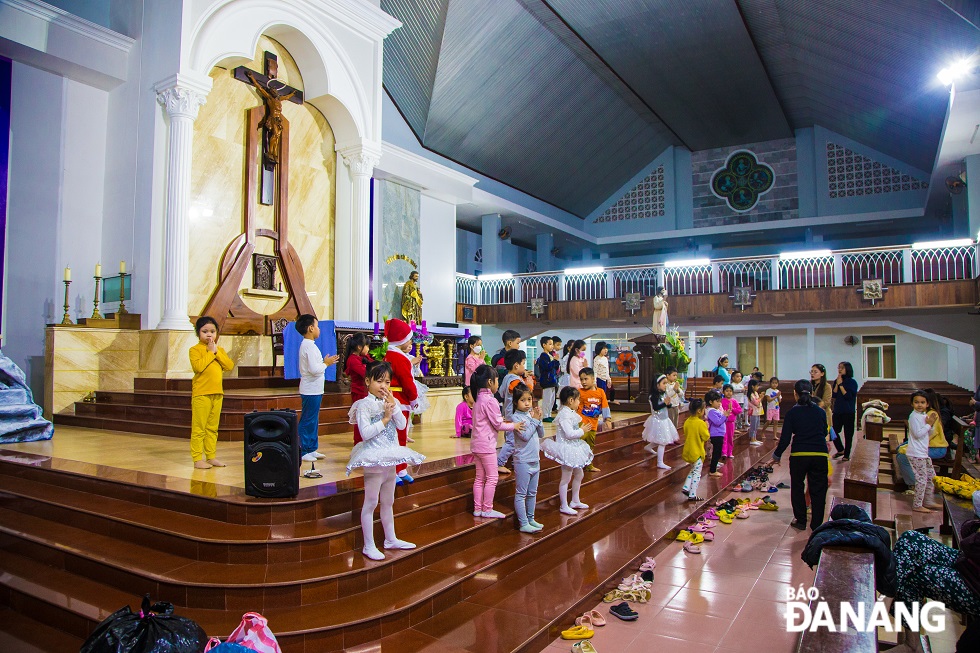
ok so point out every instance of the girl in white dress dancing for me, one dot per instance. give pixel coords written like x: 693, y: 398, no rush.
x: 569, y: 450
x: 658, y: 430
x: 378, y: 418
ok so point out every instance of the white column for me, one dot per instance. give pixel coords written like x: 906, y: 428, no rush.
x: 181, y: 98
x: 360, y: 161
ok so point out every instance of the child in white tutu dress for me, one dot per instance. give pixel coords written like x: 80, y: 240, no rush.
x: 658, y: 430
x: 378, y: 418
x: 569, y: 450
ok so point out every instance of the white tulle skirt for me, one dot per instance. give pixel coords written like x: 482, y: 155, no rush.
x: 382, y: 450
x: 658, y: 429
x: 570, y: 453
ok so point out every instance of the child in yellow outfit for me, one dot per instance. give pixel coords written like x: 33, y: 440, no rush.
x: 208, y: 361
x: 695, y: 435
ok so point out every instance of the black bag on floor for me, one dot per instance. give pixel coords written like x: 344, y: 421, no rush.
x: 154, y: 629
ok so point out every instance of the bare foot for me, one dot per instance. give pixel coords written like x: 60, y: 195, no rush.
x: 214, y: 462
x: 715, y: 474
x: 200, y: 464
x: 923, y: 509
x: 503, y: 470
x: 409, y: 440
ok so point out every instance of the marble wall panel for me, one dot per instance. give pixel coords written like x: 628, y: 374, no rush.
x: 442, y: 404
x: 400, y: 232
x: 79, y: 361
x: 217, y: 187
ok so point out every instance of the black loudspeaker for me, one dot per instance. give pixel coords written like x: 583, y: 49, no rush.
x: 272, y: 458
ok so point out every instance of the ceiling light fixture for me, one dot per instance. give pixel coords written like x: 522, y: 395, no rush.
x: 954, y: 71
x: 813, y: 253
x: 589, y: 270
x: 939, y: 244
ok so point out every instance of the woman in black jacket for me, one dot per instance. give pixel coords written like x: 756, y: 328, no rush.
x: 845, y: 409
x: 805, y: 425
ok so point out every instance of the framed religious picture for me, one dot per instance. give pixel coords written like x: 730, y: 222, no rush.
x: 742, y: 296
x: 537, y: 306
x: 872, y: 289
x: 469, y: 314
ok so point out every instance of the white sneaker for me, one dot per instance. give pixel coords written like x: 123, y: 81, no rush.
x: 319, y: 456
x: 756, y: 443
x: 398, y: 544
x: 478, y: 513
x: 494, y: 514
x: 579, y: 505
x: 568, y: 510
x: 373, y: 553
x: 309, y: 458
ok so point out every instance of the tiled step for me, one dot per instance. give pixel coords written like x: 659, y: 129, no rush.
x: 232, y: 401
x: 225, y: 434
x: 21, y: 634
x: 228, y: 383
x: 181, y: 416
x: 577, y: 553
x: 297, y: 560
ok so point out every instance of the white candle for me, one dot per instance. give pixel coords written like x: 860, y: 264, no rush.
x: 122, y: 267
x: 68, y: 273
x: 98, y: 269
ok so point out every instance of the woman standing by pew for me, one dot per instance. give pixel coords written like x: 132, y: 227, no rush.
x: 845, y: 391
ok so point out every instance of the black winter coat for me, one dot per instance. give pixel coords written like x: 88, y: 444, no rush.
x: 851, y: 526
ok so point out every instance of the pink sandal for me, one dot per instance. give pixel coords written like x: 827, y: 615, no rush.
x: 691, y: 548
x: 708, y: 536
x: 699, y: 528
x: 711, y: 514
x: 649, y: 564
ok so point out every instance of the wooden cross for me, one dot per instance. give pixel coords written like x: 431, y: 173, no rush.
x: 273, y: 92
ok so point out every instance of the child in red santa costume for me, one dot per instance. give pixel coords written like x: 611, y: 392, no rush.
x: 404, y: 387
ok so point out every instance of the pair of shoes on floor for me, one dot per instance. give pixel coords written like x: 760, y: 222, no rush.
x: 635, y: 582
x: 624, y: 611
x: 489, y: 514
x: 649, y: 564
x: 686, y: 535
x: 578, y: 632
x: 585, y: 646
x: 768, y: 504
x: 590, y: 619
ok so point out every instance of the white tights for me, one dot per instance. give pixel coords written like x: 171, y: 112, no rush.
x: 573, y: 474
x: 379, y: 486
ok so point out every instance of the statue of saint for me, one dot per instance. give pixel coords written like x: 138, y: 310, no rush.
x: 412, y: 299
x: 272, y: 120
x: 660, y: 312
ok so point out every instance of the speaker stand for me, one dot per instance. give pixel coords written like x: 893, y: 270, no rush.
x: 312, y: 473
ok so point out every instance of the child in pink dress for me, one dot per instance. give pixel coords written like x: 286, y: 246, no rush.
x: 729, y: 402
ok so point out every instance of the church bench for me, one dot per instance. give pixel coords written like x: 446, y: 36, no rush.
x: 844, y: 574
x: 896, y: 394
x: 861, y: 479
x: 903, y: 522
x: 956, y: 512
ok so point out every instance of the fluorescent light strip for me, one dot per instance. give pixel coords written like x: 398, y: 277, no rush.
x: 495, y: 277
x: 939, y: 244
x: 813, y: 253
x: 593, y: 270
x: 687, y: 263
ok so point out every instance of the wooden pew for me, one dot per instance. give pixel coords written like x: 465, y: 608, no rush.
x: 956, y: 512
x: 896, y: 394
x: 861, y: 479
x: 959, y: 433
x: 903, y: 522
x: 844, y: 574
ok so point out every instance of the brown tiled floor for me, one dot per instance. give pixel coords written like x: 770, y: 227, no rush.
x: 731, y: 597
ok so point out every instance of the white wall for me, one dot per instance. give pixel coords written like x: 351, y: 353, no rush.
x: 437, y: 264
x: 57, y: 180
x: 919, y: 357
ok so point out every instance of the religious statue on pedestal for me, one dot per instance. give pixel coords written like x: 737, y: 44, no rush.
x: 660, y: 312
x: 412, y: 299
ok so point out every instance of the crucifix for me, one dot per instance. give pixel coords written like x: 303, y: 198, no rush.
x: 273, y: 92
x: 225, y: 302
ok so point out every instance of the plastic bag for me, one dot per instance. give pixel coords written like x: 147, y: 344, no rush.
x: 253, y: 633
x: 155, y: 629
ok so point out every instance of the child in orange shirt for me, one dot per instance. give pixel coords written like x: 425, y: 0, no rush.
x: 594, y: 409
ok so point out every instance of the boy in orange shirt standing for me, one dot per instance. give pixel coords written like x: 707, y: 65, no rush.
x: 594, y: 409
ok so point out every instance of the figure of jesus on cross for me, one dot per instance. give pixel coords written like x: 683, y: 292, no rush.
x: 273, y: 93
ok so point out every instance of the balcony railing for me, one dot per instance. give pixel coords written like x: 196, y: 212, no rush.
x: 846, y: 268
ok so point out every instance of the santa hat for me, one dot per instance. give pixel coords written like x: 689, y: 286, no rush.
x: 397, y: 332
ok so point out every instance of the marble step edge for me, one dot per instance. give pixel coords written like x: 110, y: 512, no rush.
x: 505, y: 489
x: 94, y: 551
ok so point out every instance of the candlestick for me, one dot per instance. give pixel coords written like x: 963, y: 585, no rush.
x: 96, y: 315
x: 68, y: 273
x: 122, y: 267
x: 67, y: 318
x: 122, y: 290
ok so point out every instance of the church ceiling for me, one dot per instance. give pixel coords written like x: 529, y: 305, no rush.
x: 567, y: 99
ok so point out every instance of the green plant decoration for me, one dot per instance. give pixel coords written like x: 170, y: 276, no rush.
x: 378, y: 353
x: 672, y: 353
